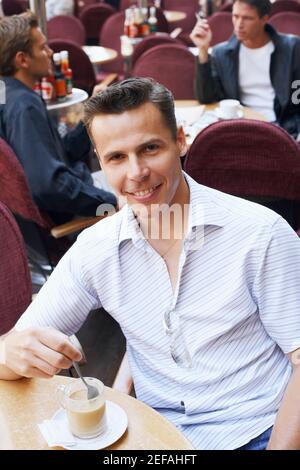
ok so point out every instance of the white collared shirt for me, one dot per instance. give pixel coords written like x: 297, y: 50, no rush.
x: 237, y: 303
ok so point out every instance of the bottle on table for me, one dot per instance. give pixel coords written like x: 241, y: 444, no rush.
x: 145, y: 28
x: 60, y: 80
x: 152, y: 20
x: 69, y: 81
x: 67, y: 71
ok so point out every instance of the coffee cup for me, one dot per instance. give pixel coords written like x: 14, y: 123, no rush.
x: 86, y: 418
x: 229, y: 109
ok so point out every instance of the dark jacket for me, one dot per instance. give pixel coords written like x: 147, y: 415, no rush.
x: 60, y: 182
x: 217, y: 79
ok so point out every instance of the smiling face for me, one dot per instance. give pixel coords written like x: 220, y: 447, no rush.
x: 140, y: 157
x: 247, y: 23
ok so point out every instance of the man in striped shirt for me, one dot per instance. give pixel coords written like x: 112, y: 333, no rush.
x: 208, y: 302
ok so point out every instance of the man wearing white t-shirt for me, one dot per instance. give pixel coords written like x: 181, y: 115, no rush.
x: 257, y: 65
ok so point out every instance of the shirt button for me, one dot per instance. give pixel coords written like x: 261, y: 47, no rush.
x: 182, y: 403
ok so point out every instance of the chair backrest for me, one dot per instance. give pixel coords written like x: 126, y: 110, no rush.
x: 226, y: 7
x: 221, y: 27
x: 66, y: 27
x: 171, y: 65
x: 93, y: 18
x: 15, y: 192
x: 227, y: 157
x: 286, y: 22
x: 109, y: 36
x: 13, y: 7
x: 15, y: 283
x: 151, y: 41
x: 83, y: 71
x: 284, y: 6
x: 80, y: 5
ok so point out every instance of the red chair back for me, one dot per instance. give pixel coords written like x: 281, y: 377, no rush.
x: 221, y: 26
x: 13, y: 7
x: 80, y: 5
x: 15, y: 192
x: 171, y: 65
x: 227, y: 157
x: 226, y: 7
x: 15, y: 282
x: 66, y: 27
x: 286, y: 22
x: 93, y: 18
x: 152, y: 41
x: 83, y: 71
x: 284, y: 6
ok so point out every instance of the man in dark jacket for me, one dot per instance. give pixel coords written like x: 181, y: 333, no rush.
x: 257, y: 66
x: 59, y: 180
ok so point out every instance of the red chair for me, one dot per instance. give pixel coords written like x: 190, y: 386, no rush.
x: 83, y: 71
x: 13, y: 7
x: 221, y: 26
x: 187, y: 24
x: 285, y: 6
x: 37, y: 227
x: 15, y: 282
x: 265, y: 169
x: 152, y: 41
x: 171, y: 65
x: 227, y: 7
x: 110, y: 34
x: 93, y: 18
x: 81, y: 4
x: 287, y: 22
x: 66, y: 27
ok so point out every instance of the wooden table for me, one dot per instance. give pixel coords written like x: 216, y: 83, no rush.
x: 25, y: 403
x: 99, y: 55
x: 248, y: 112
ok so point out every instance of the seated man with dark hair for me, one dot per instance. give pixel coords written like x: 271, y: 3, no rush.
x: 59, y: 180
x: 204, y: 285
x: 257, y: 65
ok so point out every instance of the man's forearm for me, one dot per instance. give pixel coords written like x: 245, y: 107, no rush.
x: 286, y: 430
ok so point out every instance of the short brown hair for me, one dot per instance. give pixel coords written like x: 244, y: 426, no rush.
x: 130, y: 94
x: 15, y: 36
x: 263, y: 7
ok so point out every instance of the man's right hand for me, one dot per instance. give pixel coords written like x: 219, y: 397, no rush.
x: 38, y: 352
x: 202, y: 36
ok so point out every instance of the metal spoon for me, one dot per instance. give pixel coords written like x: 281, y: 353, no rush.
x: 92, y: 392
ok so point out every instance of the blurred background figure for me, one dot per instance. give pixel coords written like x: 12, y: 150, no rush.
x: 61, y: 7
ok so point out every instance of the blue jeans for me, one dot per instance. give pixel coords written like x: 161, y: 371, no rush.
x: 258, y: 443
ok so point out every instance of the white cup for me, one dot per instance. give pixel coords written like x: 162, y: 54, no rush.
x: 229, y: 109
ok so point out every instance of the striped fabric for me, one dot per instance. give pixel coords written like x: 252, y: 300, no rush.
x: 236, y: 307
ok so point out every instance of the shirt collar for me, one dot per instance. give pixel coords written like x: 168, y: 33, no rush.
x: 203, y: 212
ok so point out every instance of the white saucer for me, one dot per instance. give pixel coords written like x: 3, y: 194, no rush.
x: 117, y: 425
x: 219, y: 114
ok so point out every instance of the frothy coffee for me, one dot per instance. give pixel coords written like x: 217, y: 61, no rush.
x: 87, y: 417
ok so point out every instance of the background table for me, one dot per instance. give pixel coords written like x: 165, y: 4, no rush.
x: 100, y: 55
x: 248, y: 112
x: 78, y: 96
x: 173, y: 16
x: 25, y: 403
